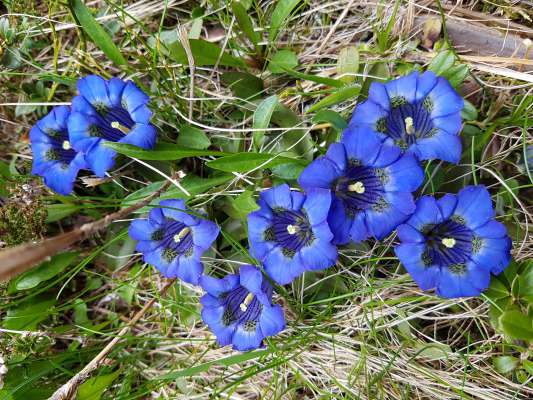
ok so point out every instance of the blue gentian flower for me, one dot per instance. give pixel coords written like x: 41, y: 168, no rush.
x: 453, y: 244
x: 419, y: 113
x: 289, y: 233
x: 173, y: 240
x: 112, y: 110
x: 239, y: 310
x: 371, y: 185
x: 53, y: 156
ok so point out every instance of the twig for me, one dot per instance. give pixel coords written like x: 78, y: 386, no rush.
x: 18, y: 259
x: 69, y: 389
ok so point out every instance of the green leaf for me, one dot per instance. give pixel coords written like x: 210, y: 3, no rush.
x: 442, y: 62
x: 262, y: 117
x: 497, y: 290
x: 161, y: 151
x: 56, y: 212
x: 348, y: 64
x: 245, y: 162
x: 45, y: 271
x: 80, y: 313
x: 245, y: 23
x: 93, y: 388
x: 280, y: 16
x: 243, y: 85
x: 288, y: 171
x: 244, y: 204
x: 193, y: 138
x: 338, y: 96
x: 26, y: 316
x: 204, y: 53
x: 281, y: 61
x: 95, y: 31
x: 469, y: 112
x: 456, y: 74
x: 517, y: 325
x: 334, y: 118
x: 528, y: 366
x: 505, y: 364
x: 315, y: 78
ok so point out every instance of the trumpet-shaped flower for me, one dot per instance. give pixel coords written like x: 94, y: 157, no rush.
x: 173, y: 240
x: 109, y: 111
x: 53, y: 156
x: 370, y: 183
x: 453, y: 244
x: 289, y: 233
x: 239, y: 310
x: 420, y: 113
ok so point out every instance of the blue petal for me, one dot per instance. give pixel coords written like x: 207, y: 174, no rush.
x: 445, y: 99
x: 427, y: 213
x: 60, y: 179
x: 366, y: 116
x: 94, y: 89
x: 316, y: 205
x: 359, y: 230
x: 474, y: 206
x: 362, y: 145
x: 282, y: 269
x: 339, y: 222
x: 382, y: 223
x: 321, y: 173
x: 337, y: 155
x: 189, y: 270
x: 440, y: 146
x: 470, y: 283
x: 257, y: 225
x: 271, y: 320
x: 425, y: 84
x: 141, y: 135
x: 492, y: 229
x: 410, y: 255
x: 176, y: 209
x: 100, y: 158
x: 80, y: 104
x: 494, y: 254
x: 404, y: 175
x: 404, y: 86
x: 204, y: 234
x: 388, y: 154
x: 251, y: 278
x: 451, y: 124
x: 297, y: 199
x: 141, y: 229
x: 321, y: 254
x: 278, y: 196
x: 244, y: 340
x: 408, y: 234
x: 378, y: 94
x: 213, y: 318
x: 447, y: 205
x: 216, y: 287
x: 115, y: 87
x: 156, y: 259
x: 156, y: 216
x: 147, y: 246
x: 136, y: 100
x: 209, y: 301
x: 79, y: 126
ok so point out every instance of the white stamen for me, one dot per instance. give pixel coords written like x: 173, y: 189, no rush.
x: 357, y: 187
x: 117, y: 125
x: 448, y: 242
x: 66, y: 145
x: 181, y: 234
x: 409, y: 126
x: 293, y: 229
x: 246, y: 302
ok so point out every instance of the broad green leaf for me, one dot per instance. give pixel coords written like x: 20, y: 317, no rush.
x: 244, y: 204
x: 193, y: 138
x: 497, y: 290
x: 80, y: 313
x: 456, y: 74
x: 505, y: 364
x: 281, y: 61
x: 95, y: 31
x: 315, y: 78
x: 517, y: 325
x: 528, y: 366
x: 45, y: 271
x: 56, y: 212
x: 288, y: 171
x: 280, y: 16
x: 204, y: 53
x: 442, y: 62
x: 161, y: 152
x: 292, y: 141
x: 93, y: 388
x: 245, y: 23
x: 262, y: 117
x: 243, y: 85
x: 336, y: 97
x: 337, y: 122
x: 245, y: 162
x: 348, y: 64
x: 26, y: 316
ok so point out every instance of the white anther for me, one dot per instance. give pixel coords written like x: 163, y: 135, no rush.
x: 117, y: 125
x: 409, y: 126
x: 293, y: 229
x: 246, y: 302
x: 357, y: 187
x: 448, y: 242
x: 179, y: 236
x: 66, y: 145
